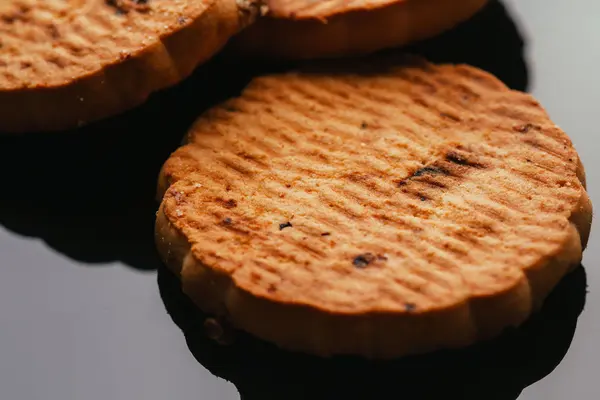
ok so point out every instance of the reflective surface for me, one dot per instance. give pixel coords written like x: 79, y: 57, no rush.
x: 81, y: 314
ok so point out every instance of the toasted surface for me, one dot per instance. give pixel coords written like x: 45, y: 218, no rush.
x: 100, y: 57
x: 374, y: 210
x: 304, y: 29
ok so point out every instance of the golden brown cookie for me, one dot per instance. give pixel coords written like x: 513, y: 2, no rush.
x: 378, y: 211
x: 303, y: 29
x: 65, y: 63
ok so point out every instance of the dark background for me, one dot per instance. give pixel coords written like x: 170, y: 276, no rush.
x: 81, y: 314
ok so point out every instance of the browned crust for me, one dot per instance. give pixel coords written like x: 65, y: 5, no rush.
x: 125, y: 83
x: 375, y: 334
x: 356, y: 31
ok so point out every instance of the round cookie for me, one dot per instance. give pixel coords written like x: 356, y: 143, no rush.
x: 66, y: 63
x: 377, y: 207
x: 305, y: 29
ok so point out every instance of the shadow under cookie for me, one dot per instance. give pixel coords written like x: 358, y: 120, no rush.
x: 90, y: 193
x: 496, y: 370
x: 491, y: 40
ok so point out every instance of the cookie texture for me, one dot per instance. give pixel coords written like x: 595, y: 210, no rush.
x: 375, y: 207
x: 65, y: 63
x: 304, y: 29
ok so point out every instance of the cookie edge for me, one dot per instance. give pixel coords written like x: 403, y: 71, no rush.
x: 325, y: 37
x: 96, y: 96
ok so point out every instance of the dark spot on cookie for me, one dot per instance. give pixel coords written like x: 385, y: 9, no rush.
x: 272, y: 288
x: 228, y: 188
x: 181, y: 20
x: 52, y: 31
x: 528, y: 160
x: 523, y: 128
x: 229, y: 204
x: 410, y: 307
x: 325, y: 233
x: 459, y: 159
x: 422, y: 198
x: 450, y: 116
x: 430, y: 170
x: 227, y: 221
x: 364, y: 125
x: 434, y: 183
x: 285, y: 225
x: 363, y: 260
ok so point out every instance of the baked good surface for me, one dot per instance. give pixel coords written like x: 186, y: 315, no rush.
x: 305, y: 29
x: 378, y: 207
x: 65, y: 63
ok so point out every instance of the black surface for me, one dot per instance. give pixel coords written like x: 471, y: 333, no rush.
x: 498, y: 369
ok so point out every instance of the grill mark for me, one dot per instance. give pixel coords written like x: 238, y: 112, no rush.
x: 531, y: 176
x: 516, y: 113
x: 433, y: 272
x: 317, y: 95
x: 398, y: 223
x: 378, y: 98
x: 405, y: 289
x: 348, y: 124
x: 362, y: 101
x: 253, y: 158
x: 537, y: 144
x: 433, y: 183
x: 366, y: 182
x: 229, y: 204
x: 453, y: 252
x: 487, y: 210
x: 302, y: 245
x: 280, y: 124
x: 291, y: 118
x: 237, y: 167
x: 412, y: 76
x: 267, y: 268
x: 416, y: 193
x: 463, y: 236
x: 432, y: 170
x: 260, y: 143
x: 313, y: 230
x: 460, y: 159
x: 230, y: 225
x: 550, y: 171
x: 506, y: 205
x: 332, y: 205
x: 457, y: 87
x: 431, y: 106
x: 356, y: 197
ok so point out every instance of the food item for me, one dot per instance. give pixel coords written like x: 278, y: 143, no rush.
x: 65, y: 63
x: 303, y: 29
x: 379, y: 207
